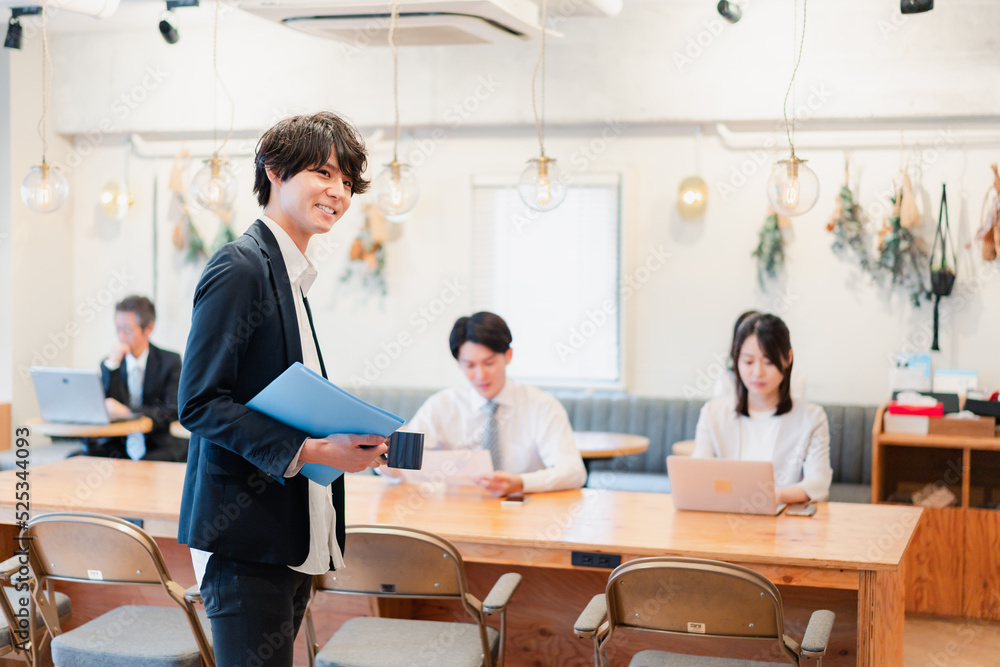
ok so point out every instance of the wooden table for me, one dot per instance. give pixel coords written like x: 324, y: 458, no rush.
x: 112, y: 430
x: 845, y: 558
x: 601, y: 445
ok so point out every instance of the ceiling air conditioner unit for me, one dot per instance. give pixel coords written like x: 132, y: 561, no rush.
x: 421, y: 22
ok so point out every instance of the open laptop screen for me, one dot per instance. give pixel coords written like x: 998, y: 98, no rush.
x: 70, y: 395
x: 722, y: 485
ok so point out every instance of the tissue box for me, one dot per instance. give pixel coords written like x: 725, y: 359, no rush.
x: 895, y: 408
x: 981, y: 427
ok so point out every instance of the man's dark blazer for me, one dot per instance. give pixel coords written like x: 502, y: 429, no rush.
x: 159, y: 403
x: 244, y: 334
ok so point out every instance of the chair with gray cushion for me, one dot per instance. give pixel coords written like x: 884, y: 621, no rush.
x: 99, y: 549
x: 711, y: 601
x: 15, y: 607
x: 397, y: 562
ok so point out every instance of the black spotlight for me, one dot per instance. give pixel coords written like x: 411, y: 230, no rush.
x: 169, y: 32
x: 915, y: 6
x: 14, y: 29
x: 732, y: 12
x: 13, y: 40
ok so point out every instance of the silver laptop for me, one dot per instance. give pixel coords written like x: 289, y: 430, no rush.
x: 70, y: 395
x: 723, y: 485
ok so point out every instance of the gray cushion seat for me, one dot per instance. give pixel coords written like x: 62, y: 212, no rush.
x: 664, y: 659
x: 130, y: 636
x: 384, y: 642
x: 63, y: 608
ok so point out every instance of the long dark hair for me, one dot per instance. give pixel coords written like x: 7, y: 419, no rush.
x: 733, y: 352
x: 776, y: 344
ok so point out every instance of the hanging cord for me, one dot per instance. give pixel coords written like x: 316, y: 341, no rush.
x: 46, y: 85
x: 219, y: 82
x: 802, y: 41
x: 395, y: 74
x: 540, y: 121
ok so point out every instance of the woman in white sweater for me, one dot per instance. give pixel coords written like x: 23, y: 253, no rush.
x: 762, y: 422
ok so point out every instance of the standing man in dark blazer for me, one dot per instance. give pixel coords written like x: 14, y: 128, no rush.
x: 258, y: 530
x: 140, y: 378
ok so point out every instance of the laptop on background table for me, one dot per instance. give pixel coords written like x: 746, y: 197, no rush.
x: 723, y: 485
x: 71, y: 395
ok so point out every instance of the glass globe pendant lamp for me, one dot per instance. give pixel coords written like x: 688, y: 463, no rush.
x: 214, y: 186
x: 44, y: 189
x: 542, y: 185
x: 792, y: 187
x: 396, y: 190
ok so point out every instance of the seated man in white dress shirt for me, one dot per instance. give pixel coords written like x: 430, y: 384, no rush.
x: 526, y: 429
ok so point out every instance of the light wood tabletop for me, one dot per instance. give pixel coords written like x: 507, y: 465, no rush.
x: 179, y: 431
x: 601, y: 445
x: 851, y: 550
x: 112, y: 430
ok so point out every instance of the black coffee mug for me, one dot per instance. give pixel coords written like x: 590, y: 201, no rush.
x: 406, y: 450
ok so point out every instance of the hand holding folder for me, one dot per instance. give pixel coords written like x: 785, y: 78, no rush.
x: 309, y: 402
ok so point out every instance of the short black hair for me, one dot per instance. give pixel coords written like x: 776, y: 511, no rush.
x: 145, y: 311
x: 483, y: 328
x: 776, y: 344
x: 299, y: 143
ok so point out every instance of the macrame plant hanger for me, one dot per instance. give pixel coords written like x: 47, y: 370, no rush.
x: 942, y: 275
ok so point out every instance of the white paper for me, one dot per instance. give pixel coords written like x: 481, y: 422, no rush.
x: 450, y: 467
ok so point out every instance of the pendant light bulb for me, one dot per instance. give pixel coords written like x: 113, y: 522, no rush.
x: 792, y: 188
x: 396, y: 191
x: 214, y: 186
x: 44, y: 189
x: 692, y: 197
x: 542, y: 186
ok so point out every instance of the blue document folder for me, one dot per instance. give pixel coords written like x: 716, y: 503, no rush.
x: 309, y: 402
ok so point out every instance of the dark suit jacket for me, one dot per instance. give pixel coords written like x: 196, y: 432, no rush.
x: 244, y: 333
x: 159, y: 402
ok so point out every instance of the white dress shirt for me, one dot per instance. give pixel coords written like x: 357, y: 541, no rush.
x: 135, y: 377
x: 801, y: 443
x: 535, y: 435
x: 322, y: 515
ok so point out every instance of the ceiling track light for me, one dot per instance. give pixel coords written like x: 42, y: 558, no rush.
x: 395, y: 188
x: 167, y: 29
x: 915, y: 6
x: 542, y: 185
x: 732, y: 10
x: 792, y: 187
x: 15, y: 31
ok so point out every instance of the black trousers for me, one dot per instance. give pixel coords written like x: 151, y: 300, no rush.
x: 255, y: 609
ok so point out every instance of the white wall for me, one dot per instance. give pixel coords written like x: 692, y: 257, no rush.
x: 608, y: 78
x: 5, y: 232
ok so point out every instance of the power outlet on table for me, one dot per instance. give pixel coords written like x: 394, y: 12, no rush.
x: 592, y: 559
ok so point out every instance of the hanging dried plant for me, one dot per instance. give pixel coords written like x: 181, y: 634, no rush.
x: 850, y: 239
x: 770, y: 251
x: 902, y: 259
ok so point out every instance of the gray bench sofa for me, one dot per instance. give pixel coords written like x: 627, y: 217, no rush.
x: 666, y: 421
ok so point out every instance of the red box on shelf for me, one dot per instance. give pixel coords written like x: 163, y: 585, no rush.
x: 936, y: 410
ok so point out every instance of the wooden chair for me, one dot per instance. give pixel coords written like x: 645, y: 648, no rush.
x: 99, y: 549
x: 711, y: 600
x: 396, y: 562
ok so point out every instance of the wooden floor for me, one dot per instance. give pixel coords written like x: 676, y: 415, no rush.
x: 936, y: 643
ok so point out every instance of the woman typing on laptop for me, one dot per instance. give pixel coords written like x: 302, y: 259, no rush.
x: 762, y: 422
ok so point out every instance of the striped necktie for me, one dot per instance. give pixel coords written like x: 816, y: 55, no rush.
x: 135, y: 443
x: 491, y: 435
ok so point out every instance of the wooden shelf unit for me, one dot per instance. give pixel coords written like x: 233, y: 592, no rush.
x: 952, y: 567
